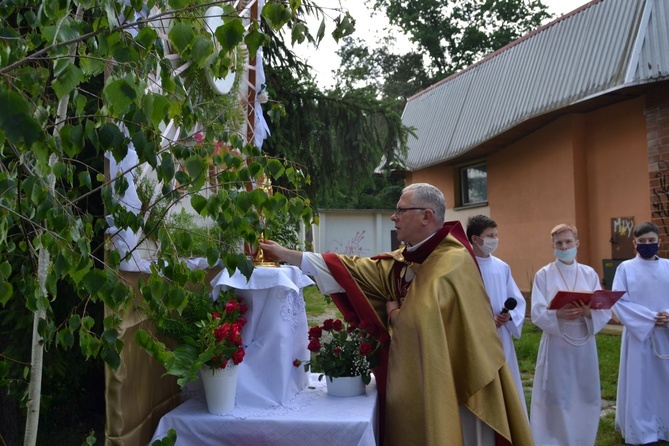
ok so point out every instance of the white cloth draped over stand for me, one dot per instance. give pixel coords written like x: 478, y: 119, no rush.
x: 312, y: 418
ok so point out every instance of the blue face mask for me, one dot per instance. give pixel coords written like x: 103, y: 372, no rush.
x: 566, y: 255
x: 648, y: 250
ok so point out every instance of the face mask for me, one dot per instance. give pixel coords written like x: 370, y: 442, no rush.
x: 647, y: 251
x: 489, y: 245
x: 566, y: 255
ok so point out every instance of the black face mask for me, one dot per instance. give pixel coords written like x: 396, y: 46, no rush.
x: 647, y: 251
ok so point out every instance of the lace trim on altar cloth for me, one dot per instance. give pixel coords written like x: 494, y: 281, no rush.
x: 302, y: 399
x: 293, y: 308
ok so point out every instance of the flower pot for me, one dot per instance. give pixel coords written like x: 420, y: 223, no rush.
x: 345, y: 386
x: 220, y: 387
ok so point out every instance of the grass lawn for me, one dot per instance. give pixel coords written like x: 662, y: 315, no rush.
x: 608, y: 347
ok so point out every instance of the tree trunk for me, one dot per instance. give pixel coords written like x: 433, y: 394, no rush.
x: 36, y: 357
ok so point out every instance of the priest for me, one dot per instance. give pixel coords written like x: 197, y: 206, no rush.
x: 442, y: 377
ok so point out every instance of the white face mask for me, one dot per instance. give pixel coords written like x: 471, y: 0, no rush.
x: 489, y: 245
x: 566, y: 255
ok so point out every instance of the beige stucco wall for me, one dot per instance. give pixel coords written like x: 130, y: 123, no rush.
x: 582, y: 169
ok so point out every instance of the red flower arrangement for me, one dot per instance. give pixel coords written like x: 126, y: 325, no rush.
x: 220, y: 336
x: 341, y: 349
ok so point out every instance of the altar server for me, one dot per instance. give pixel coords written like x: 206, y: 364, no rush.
x: 566, y: 398
x: 642, y: 408
x: 502, y: 290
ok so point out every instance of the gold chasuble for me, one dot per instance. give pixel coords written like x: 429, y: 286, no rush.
x: 444, y: 352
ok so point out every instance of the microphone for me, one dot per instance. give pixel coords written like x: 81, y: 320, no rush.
x: 509, y: 305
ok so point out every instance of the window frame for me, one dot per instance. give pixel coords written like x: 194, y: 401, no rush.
x: 462, y: 181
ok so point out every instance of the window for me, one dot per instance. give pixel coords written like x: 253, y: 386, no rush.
x: 473, y: 184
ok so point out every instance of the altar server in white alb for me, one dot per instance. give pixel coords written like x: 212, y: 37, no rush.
x: 508, y: 303
x: 566, y: 396
x: 642, y: 414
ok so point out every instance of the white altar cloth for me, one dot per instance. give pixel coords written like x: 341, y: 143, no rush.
x: 276, y: 333
x: 311, y: 418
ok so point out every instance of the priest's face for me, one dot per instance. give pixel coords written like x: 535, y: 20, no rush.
x: 410, y: 220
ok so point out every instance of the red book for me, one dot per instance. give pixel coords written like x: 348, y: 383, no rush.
x: 599, y: 300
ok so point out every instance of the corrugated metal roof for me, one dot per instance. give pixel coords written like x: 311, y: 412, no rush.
x: 602, y: 46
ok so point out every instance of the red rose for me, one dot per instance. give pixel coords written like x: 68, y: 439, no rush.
x: 314, y: 345
x: 231, y: 307
x: 315, y: 332
x: 242, y: 321
x: 215, y: 315
x: 337, y: 325
x: 224, y: 364
x: 222, y: 332
x: 336, y: 351
x: 327, y: 324
x: 238, y: 356
x: 366, y: 348
x: 239, y: 299
x: 243, y: 309
x: 297, y: 363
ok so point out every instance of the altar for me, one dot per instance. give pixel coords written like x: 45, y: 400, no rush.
x: 312, y: 417
x: 275, y: 334
x: 276, y: 402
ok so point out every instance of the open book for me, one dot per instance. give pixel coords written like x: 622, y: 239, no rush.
x: 599, y: 300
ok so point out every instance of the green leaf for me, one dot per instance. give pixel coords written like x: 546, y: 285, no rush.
x: 91, y: 66
x: 181, y: 36
x: 321, y: 32
x: 276, y: 15
x: 111, y: 138
x: 230, y: 34
x: 5, y: 269
x: 67, y: 77
x: 65, y: 337
x: 275, y: 168
x: 297, y: 33
x: 254, y: 39
x: 156, y: 107
x: 16, y: 121
x: 195, y: 166
x: 198, y: 202
x: 6, y: 292
x: 202, y: 49
x: 119, y: 94
x: 94, y: 281
x: 85, y: 179
x: 343, y: 27
x: 146, y: 37
x: 72, y: 139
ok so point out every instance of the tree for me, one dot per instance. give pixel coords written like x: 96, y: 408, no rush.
x: 82, y: 78
x: 341, y: 136
x: 453, y: 34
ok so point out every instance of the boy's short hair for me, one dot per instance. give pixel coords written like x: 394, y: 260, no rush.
x: 563, y: 227
x: 477, y: 224
x: 645, y: 228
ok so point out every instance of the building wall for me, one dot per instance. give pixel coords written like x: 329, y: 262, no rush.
x: 657, y: 117
x: 583, y: 169
x: 361, y: 233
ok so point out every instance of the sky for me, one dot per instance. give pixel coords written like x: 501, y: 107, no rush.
x: 324, y: 60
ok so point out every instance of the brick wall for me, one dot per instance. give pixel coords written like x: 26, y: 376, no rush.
x: 657, y: 121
